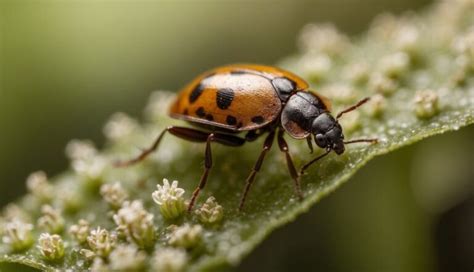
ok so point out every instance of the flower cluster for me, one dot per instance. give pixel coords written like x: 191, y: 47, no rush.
x: 170, y: 198
x: 52, y: 220
x: 51, y: 246
x: 185, y: 236
x: 210, y: 212
x: 114, y: 194
x: 38, y: 185
x: 126, y: 258
x: 169, y: 259
x: 136, y: 224
x: 17, y: 235
x: 101, y: 242
x: 80, y: 231
x: 426, y: 103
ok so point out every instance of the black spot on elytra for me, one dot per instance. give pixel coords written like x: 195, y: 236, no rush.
x: 210, y: 117
x: 257, y: 119
x: 224, y: 98
x: 200, y: 112
x: 196, y: 92
x: 231, y: 120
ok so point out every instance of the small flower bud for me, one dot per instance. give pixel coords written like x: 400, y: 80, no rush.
x: 80, y: 231
x: 426, y: 104
x: 98, y: 265
x: 119, y: 126
x: 51, y: 221
x: 158, y: 104
x: 136, y: 223
x: 17, y: 235
x: 210, y: 212
x: 340, y: 92
x: 315, y: 66
x: 126, y: 258
x: 394, y: 65
x: 91, y: 170
x: 376, y: 105
x: 114, y: 194
x: 170, y: 260
x: 80, y: 149
x: 68, y: 199
x: 13, y: 212
x: 323, y: 38
x: 186, y: 236
x: 382, y: 84
x: 51, y: 246
x: 101, y: 242
x: 38, y: 185
x: 357, y: 73
x: 170, y: 199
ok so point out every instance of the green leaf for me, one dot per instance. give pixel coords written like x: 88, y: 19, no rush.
x: 418, y: 69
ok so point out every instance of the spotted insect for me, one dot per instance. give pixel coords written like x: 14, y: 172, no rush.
x: 258, y: 100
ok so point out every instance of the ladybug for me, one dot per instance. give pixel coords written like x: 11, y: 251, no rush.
x: 259, y: 100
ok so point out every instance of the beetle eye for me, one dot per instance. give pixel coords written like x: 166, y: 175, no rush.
x: 321, y: 140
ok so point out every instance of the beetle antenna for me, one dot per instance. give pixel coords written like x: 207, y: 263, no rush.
x: 353, y: 107
x: 372, y: 141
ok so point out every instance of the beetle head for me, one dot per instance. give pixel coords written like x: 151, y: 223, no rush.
x: 328, y: 133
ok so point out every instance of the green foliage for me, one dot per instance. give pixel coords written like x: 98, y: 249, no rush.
x: 419, y: 71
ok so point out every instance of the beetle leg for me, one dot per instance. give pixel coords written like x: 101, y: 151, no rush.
x: 313, y: 161
x: 213, y: 137
x: 185, y: 133
x: 310, y: 143
x: 291, y: 166
x: 181, y: 132
x: 250, y: 179
x: 371, y: 141
x: 207, y: 167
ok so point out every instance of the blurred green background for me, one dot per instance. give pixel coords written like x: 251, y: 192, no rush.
x: 65, y: 66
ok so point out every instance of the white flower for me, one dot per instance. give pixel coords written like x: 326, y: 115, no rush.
x: 394, y: 65
x: 38, y: 185
x: 185, y: 236
x: 114, y: 194
x: 169, y: 260
x: 119, y: 126
x: 13, y: 212
x: 126, y: 258
x: 170, y: 199
x: 382, y: 84
x: 80, y: 149
x: 210, y: 212
x: 158, y: 104
x: 376, y: 105
x: 323, y: 38
x: 98, y: 265
x: 80, y: 231
x: 136, y: 223
x: 17, y: 235
x: 51, y: 221
x: 51, y: 246
x: 101, y: 241
x: 426, y: 103
x: 91, y: 168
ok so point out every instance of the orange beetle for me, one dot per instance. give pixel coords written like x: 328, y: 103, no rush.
x: 259, y: 100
